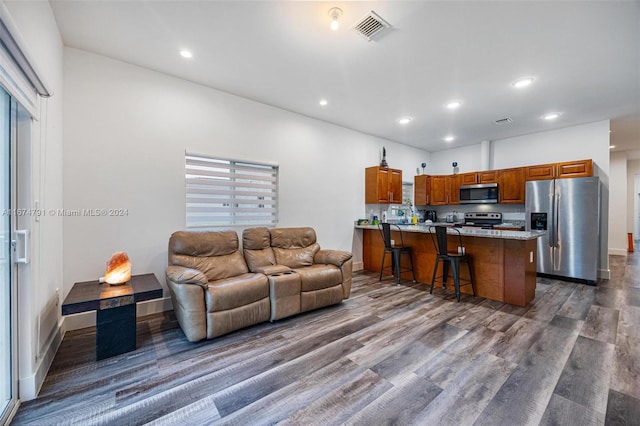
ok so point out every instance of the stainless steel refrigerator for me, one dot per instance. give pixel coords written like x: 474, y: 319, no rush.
x: 569, y: 210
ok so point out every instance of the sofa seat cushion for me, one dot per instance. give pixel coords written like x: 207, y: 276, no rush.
x: 236, y: 291
x: 319, y: 276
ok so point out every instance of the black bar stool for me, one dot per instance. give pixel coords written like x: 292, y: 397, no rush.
x: 396, y: 251
x: 439, y: 238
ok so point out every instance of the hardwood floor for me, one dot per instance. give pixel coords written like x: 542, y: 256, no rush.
x: 388, y: 355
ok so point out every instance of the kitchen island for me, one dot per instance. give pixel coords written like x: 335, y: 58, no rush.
x: 504, y: 262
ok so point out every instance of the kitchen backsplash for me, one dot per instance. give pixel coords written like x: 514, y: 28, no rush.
x: 396, y: 212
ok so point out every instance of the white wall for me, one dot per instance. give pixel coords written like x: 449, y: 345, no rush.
x: 126, y: 132
x: 37, y: 29
x: 469, y: 159
x: 618, y: 204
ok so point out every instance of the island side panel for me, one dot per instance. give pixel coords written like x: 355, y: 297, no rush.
x: 520, y: 273
x: 487, y: 255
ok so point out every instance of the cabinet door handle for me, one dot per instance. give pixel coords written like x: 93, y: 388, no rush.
x: 391, y: 196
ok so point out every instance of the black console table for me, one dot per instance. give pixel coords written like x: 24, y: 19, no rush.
x: 116, y: 310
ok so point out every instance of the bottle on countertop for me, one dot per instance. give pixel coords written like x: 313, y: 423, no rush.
x: 384, y: 217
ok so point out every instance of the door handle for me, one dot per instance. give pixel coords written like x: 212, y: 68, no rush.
x: 22, y: 234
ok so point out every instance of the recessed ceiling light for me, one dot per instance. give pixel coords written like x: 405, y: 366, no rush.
x: 449, y: 138
x: 405, y: 120
x: 522, y: 82
x: 611, y: 146
x: 186, y: 54
x: 551, y: 116
x: 323, y: 102
x: 454, y: 104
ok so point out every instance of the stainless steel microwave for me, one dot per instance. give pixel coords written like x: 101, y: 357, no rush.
x: 484, y: 193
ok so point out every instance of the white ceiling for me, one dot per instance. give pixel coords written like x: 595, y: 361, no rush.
x: 585, y: 56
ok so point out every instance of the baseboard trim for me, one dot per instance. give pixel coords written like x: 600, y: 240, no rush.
x: 617, y: 252
x: 88, y: 319
x: 605, y: 274
x: 30, y: 386
x: 358, y: 266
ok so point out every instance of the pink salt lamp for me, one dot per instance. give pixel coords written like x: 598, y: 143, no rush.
x: 118, y: 269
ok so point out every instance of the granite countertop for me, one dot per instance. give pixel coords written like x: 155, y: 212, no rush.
x: 470, y: 232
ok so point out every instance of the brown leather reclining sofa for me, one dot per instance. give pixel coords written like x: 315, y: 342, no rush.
x: 216, y: 288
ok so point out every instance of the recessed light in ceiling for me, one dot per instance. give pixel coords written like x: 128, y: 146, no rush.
x: 186, y: 54
x: 405, y: 120
x: 523, y: 82
x: 551, y: 116
x: 323, y: 102
x: 454, y: 104
x: 611, y: 146
x: 449, y: 138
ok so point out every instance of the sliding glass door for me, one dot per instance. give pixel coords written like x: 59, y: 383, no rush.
x: 8, y: 328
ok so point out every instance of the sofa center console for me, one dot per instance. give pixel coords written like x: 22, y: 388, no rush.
x: 284, y: 291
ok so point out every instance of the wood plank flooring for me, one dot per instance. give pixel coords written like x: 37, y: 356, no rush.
x: 388, y: 355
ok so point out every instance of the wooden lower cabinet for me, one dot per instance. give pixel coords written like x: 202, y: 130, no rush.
x: 505, y: 270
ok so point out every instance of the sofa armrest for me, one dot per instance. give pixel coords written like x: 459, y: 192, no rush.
x: 182, y: 275
x: 332, y: 257
x: 187, y: 288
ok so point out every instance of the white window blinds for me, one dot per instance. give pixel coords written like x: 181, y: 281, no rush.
x: 222, y: 192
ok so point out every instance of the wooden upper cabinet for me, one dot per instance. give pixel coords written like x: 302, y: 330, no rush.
x: 440, y: 187
x: 512, y: 186
x: 445, y: 190
x: 421, y: 190
x: 574, y: 169
x: 567, y: 169
x: 540, y: 172
x: 382, y: 185
x: 489, y: 176
x: 454, y: 189
x: 395, y: 186
x: 469, y: 178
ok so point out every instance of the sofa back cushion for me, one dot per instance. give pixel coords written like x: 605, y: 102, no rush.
x: 215, y: 254
x: 292, y: 238
x: 294, y: 247
x: 256, y: 245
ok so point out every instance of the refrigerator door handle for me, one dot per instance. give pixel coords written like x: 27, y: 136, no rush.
x: 556, y: 220
x: 552, y: 219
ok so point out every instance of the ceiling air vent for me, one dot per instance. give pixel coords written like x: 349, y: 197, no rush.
x: 504, y: 121
x: 370, y: 26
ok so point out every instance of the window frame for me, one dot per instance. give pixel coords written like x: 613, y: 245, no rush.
x: 225, y: 192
